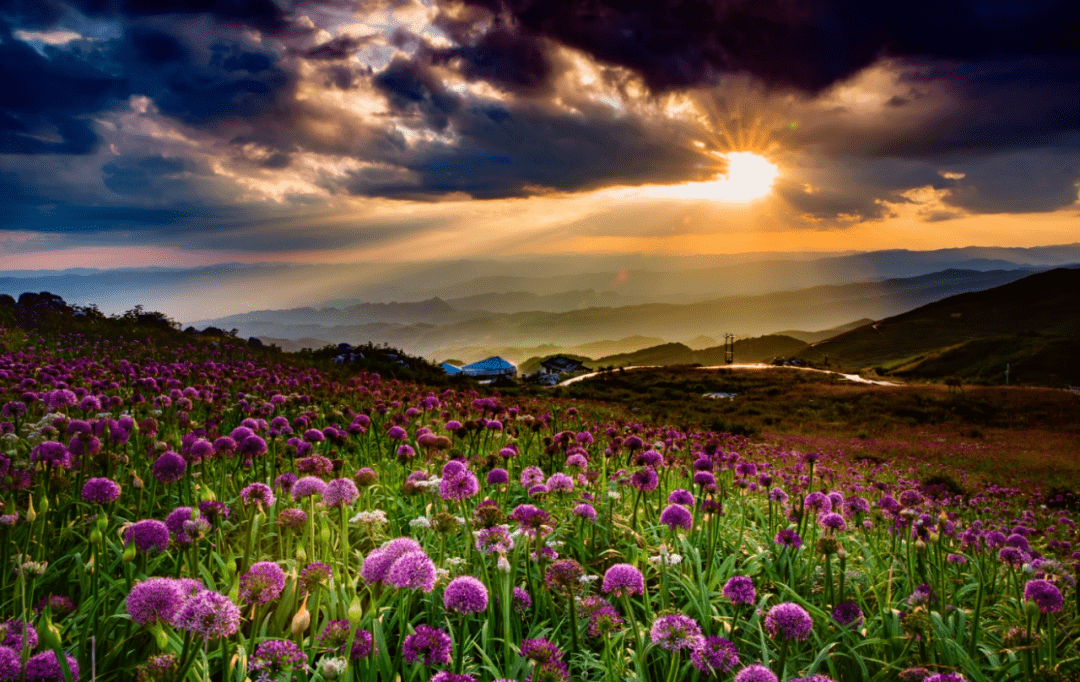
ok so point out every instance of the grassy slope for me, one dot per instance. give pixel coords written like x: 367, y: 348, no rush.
x: 1033, y: 319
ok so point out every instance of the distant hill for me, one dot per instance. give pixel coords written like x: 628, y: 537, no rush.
x: 817, y: 307
x: 1031, y: 323
x: 533, y: 364
x: 520, y: 354
x: 702, y: 341
x: 291, y: 345
x: 815, y: 337
x: 522, y: 301
x: 758, y: 349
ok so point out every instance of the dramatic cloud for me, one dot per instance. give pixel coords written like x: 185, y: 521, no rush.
x: 202, y: 123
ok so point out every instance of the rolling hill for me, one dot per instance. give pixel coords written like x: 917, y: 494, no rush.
x: 1030, y: 324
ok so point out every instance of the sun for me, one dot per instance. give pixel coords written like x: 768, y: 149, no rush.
x: 749, y: 177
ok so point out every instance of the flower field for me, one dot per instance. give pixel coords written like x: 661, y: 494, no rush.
x: 205, y: 511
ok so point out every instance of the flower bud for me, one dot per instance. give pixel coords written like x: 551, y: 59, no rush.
x: 301, y: 555
x: 1031, y: 609
x: 129, y: 553
x: 356, y: 611
x: 301, y: 621
x: 503, y: 564
x: 160, y: 446
x: 920, y: 546
x: 332, y: 668
x: 136, y: 482
x: 31, y: 515
x: 95, y: 536
x: 103, y: 522
x: 44, y: 505
x: 49, y: 634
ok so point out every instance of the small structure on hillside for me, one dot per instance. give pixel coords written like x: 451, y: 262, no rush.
x: 490, y: 368
x: 560, y: 364
x: 450, y: 369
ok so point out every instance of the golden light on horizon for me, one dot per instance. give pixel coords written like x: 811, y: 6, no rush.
x: 749, y: 177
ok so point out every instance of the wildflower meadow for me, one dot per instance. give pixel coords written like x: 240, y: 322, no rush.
x: 205, y: 511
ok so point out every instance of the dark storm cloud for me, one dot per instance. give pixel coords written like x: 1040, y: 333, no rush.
x: 803, y: 45
x: 341, y: 47
x: 1021, y: 182
x: 43, y: 100
x: 514, y: 62
x: 509, y: 152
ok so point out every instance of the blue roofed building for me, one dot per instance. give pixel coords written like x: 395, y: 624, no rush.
x: 491, y: 367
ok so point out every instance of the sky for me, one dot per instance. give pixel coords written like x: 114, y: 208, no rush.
x: 192, y: 132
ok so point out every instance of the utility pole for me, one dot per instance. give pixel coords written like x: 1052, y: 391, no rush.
x: 729, y: 348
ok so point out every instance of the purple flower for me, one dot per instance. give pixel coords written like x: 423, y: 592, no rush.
x: 683, y: 497
x: 16, y: 631
x: 396, y: 433
x: 412, y: 571
x: 314, y: 574
x: 293, y: 517
x: 787, y: 537
x: 645, y: 479
x: 378, y: 561
x: 10, y: 665
x: 494, y: 539
x: 522, y: 600
x: 945, y: 677
x: 259, y: 493
x: 560, y: 482
x: 341, y: 492
x: 148, y: 535
x: 604, y: 621
x: 156, y: 600
x: 1045, y: 595
x: 169, y: 467
x: 532, y: 519
x: 716, y: 656
x: 446, y: 676
x: 564, y: 577
x: 498, y: 477
x: 209, y: 614
x: 585, y: 511
x: 263, y: 583
x: 788, y: 620
x: 273, y: 657
x: 465, y: 594
x: 622, y: 580
x: 461, y: 486
x: 540, y: 650
x: 45, y: 667
x: 832, y: 521
x: 530, y: 476
x: 739, y: 590
x: 429, y: 645
x: 676, y: 632
x: 100, y: 491
x: 308, y: 486
x: 848, y: 614
x: 677, y: 516
x: 756, y: 673
x: 52, y: 453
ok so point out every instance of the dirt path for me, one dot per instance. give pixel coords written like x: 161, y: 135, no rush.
x: 752, y: 365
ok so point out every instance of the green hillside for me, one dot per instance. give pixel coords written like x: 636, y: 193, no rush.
x: 1031, y: 323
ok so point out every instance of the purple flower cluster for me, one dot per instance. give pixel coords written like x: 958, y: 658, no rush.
x: 262, y: 583
x: 465, y: 594
x: 273, y: 657
x: 788, y: 620
x: 739, y: 590
x: 676, y: 632
x: 428, y: 645
x: 622, y: 580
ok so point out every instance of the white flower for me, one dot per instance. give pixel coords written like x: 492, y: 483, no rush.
x: 455, y: 560
x: 503, y: 565
x: 332, y: 668
x: 586, y: 579
x: 374, y: 517
x: 460, y: 520
x: 420, y: 522
x: 614, y: 494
